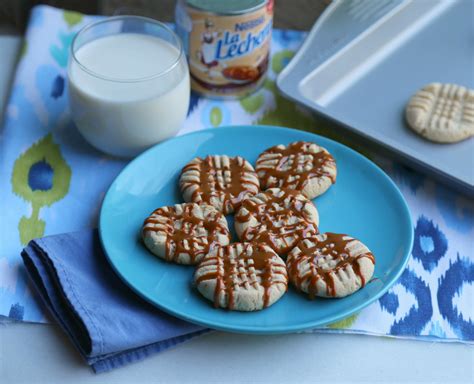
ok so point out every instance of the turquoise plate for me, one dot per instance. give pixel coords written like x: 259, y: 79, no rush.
x: 364, y: 203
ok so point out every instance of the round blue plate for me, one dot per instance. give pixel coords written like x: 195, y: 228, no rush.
x: 364, y: 203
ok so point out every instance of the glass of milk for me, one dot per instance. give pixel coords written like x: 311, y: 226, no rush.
x: 128, y: 84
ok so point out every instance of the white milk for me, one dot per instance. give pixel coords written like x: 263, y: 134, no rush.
x: 122, y: 116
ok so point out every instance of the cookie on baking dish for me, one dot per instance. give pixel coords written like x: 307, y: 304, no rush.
x: 185, y: 233
x: 220, y: 181
x: 330, y: 265
x: 242, y: 277
x: 443, y: 113
x: 278, y: 218
x: 302, y: 166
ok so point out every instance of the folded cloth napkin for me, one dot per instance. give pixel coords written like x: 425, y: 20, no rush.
x: 109, y: 324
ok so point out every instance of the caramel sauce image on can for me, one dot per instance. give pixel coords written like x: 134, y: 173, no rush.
x: 227, y: 44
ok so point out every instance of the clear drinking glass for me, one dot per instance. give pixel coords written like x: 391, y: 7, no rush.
x: 128, y: 84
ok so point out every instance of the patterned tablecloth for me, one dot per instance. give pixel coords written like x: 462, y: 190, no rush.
x: 52, y: 181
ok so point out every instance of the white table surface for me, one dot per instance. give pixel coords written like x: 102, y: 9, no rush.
x: 37, y: 353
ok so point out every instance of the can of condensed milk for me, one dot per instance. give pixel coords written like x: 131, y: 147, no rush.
x: 227, y: 44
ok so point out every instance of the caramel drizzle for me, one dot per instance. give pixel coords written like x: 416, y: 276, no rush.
x: 292, y: 157
x: 232, y: 272
x: 233, y: 187
x: 334, y: 246
x: 198, y: 246
x: 268, y: 216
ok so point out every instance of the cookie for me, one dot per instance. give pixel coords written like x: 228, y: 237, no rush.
x: 185, y: 233
x: 278, y: 218
x: 220, y: 181
x: 242, y: 277
x: 302, y: 166
x: 330, y: 265
x: 443, y: 113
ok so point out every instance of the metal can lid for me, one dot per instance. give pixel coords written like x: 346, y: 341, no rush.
x: 227, y: 7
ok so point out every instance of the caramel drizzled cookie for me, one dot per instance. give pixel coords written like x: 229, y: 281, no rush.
x: 442, y: 112
x: 330, y: 265
x: 220, y: 181
x: 302, y: 166
x: 185, y: 233
x: 242, y: 277
x: 278, y: 218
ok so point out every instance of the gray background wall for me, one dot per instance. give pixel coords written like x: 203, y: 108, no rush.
x: 294, y: 14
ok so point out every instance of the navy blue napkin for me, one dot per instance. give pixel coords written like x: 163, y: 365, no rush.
x: 108, y: 323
